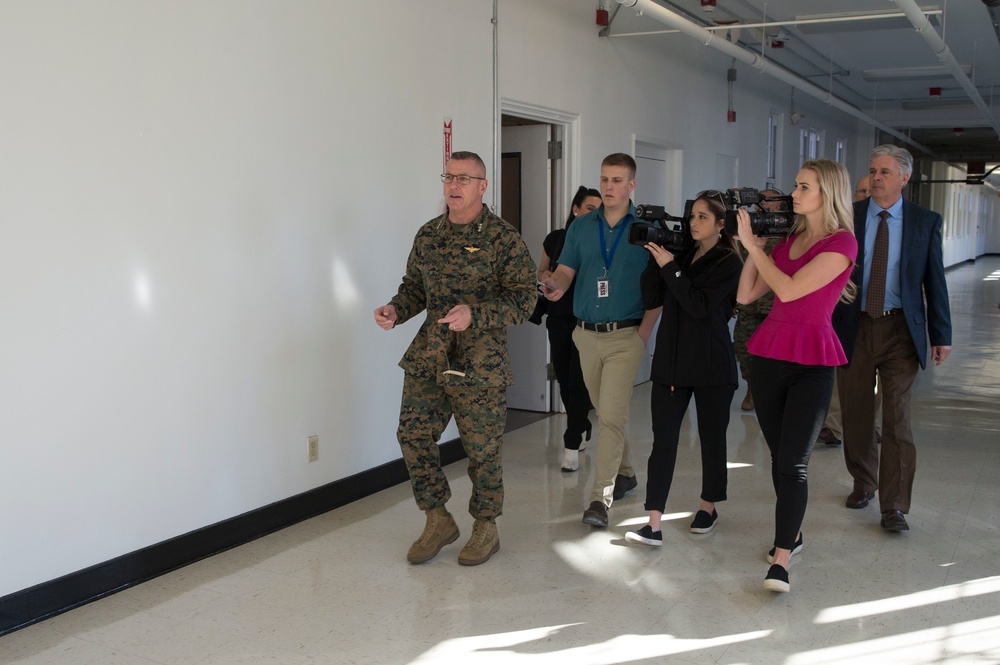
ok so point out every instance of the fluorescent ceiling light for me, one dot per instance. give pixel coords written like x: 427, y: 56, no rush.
x: 911, y: 73
x: 936, y: 104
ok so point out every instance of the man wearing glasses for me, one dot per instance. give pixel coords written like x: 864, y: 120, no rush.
x: 612, y: 327
x: 474, y: 275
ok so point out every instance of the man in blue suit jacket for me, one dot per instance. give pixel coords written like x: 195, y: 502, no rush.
x: 892, y: 340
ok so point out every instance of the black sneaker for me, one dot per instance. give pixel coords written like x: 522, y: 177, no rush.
x: 623, y: 484
x: 596, y: 515
x: 703, y: 522
x: 795, y: 550
x: 646, y: 536
x: 777, y: 579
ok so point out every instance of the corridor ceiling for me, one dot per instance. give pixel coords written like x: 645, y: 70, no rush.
x: 868, y: 54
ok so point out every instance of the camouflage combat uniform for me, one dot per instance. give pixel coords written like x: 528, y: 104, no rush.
x: 750, y: 316
x: 486, y: 265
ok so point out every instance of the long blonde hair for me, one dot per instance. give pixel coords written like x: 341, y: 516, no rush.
x: 838, y: 209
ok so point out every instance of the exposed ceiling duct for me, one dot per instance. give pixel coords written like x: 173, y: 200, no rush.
x: 993, y: 7
x: 941, y: 50
x: 708, y: 38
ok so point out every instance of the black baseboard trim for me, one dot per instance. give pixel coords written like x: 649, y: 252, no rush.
x: 29, y: 606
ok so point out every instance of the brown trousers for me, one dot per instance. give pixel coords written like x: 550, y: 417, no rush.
x: 883, y: 345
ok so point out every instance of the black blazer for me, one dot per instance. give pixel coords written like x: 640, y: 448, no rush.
x: 693, y: 344
x: 921, y: 276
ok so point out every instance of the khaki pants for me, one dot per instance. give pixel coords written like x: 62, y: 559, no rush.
x: 609, y: 362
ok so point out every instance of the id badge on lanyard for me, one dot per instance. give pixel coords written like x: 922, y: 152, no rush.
x: 604, y: 283
x: 604, y: 286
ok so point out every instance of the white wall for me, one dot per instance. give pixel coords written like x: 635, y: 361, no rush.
x: 201, y: 202
x: 200, y: 205
x: 971, y: 215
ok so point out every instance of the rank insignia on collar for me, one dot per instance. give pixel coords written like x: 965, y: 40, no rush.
x: 472, y: 249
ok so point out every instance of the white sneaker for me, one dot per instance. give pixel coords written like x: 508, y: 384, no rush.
x: 571, y: 460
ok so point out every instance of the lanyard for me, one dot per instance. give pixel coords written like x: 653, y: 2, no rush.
x: 608, y: 258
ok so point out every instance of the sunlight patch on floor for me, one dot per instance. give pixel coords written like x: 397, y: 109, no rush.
x: 503, y: 648
x: 975, y: 641
x: 909, y: 601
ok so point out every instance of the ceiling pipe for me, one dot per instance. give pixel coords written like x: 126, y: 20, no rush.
x: 667, y: 17
x: 941, y: 50
x: 792, y: 22
x: 993, y: 7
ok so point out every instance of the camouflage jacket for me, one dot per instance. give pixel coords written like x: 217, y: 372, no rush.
x: 758, y: 310
x: 485, y: 265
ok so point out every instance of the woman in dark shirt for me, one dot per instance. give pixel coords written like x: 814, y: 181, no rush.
x: 560, y: 323
x: 694, y: 356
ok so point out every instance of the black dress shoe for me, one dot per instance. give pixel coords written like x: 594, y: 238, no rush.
x: 596, y: 515
x: 859, y: 499
x: 893, y: 520
x: 827, y: 436
x: 623, y: 484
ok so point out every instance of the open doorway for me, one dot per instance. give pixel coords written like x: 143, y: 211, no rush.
x: 533, y: 179
x: 657, y: 182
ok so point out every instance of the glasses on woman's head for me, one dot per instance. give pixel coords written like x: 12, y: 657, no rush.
x: 712, y: 194
x: 462, y: 178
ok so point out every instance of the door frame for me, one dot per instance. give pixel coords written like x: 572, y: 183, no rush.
x: 565, y: 172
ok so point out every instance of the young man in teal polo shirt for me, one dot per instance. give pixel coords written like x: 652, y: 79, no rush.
x: 613, y: 328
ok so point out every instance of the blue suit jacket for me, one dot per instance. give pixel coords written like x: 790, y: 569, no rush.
x: 921, y: 275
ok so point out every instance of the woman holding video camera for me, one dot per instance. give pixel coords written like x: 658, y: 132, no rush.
x: 795, y: 349
x: 696, y: 286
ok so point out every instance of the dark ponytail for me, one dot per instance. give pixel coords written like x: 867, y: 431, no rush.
x: 581, y: 194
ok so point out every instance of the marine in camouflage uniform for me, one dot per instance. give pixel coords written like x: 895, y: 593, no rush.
x: 473, y: 274
x: 748, y: 317
x: 485, y: 265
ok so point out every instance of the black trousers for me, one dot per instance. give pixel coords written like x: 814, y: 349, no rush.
x: 572, y: 389
x: 668, y: 404
x: 791, y: 402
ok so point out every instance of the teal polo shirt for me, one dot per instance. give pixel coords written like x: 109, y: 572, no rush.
x: 582, y: 252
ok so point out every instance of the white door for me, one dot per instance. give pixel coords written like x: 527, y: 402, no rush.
x: 652, y: 183
x: 529, y: 348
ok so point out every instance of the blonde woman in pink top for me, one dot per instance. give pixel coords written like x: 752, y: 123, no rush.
x: 795, y: 348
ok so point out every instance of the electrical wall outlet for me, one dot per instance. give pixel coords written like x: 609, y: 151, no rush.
x: 313, y: 448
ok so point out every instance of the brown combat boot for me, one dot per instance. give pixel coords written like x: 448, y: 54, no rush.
x: 439, y: 531
x: 483, y: 544
x: 747, y: 404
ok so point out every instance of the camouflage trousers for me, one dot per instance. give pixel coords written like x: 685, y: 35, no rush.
x: 481, y: 414
x: 747, y: 321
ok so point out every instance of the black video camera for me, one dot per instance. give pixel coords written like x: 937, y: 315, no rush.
x: 764, y: 224
x: 674, y: 238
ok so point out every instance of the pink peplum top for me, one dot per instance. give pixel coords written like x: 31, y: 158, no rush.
x: 800, y: 331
